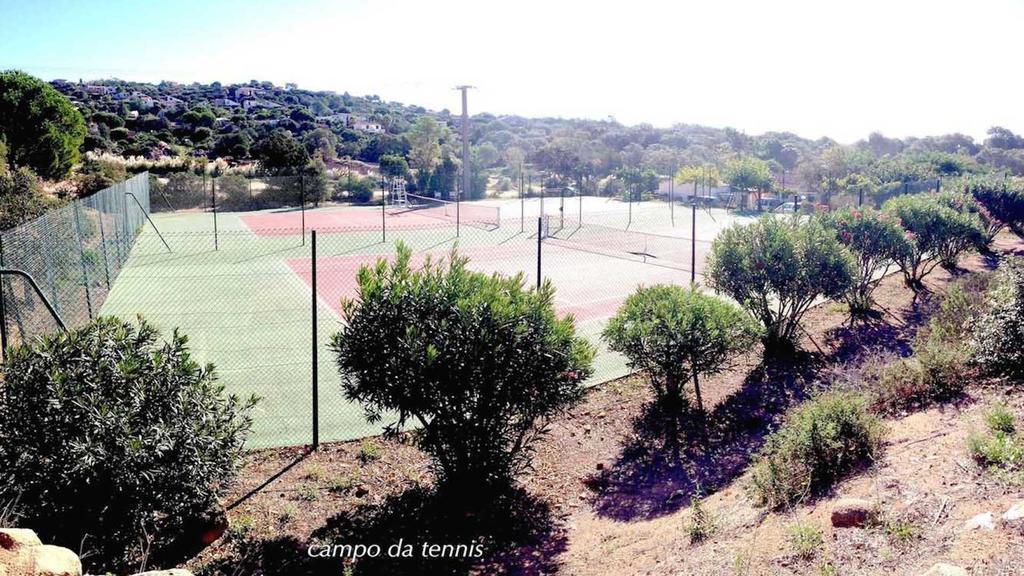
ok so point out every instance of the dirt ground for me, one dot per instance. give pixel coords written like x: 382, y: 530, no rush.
x: 615, y: 502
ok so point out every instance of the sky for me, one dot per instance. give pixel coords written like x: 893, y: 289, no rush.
x: 841, y: 69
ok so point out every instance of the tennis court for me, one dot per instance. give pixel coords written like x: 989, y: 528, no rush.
x: 244, y: 296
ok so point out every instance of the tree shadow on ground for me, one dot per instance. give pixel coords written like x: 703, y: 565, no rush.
x: 516, y: 530
x: 654, y: 476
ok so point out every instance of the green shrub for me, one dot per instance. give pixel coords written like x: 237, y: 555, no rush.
x: 479, y: 362
x: 355, y: 189
x: 185, y: 190
x: 674, y: 333
x: 701, y: 523
x: 805, y: 539
x: 938, y: 234
x: 999, y: 419
x: 877, y: 243
x: 776, y: 268
x: 233, y: 192
x: 106, y: 435
x: 1001, y: 201
x: 997, y: 338
x: 935, y: 372
x: 822, y: 440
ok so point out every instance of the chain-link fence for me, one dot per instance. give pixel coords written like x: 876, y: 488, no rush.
x: 259, y: 292
x: 74, y: 255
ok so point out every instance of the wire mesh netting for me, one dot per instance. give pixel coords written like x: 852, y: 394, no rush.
x: 74, y: 254
x: 238, y: 281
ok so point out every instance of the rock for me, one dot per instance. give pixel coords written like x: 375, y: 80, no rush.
x: 55, y: 561
x: 586, y: 428
x: 943, y: 569
x: 851, y: 513
x: 983, y: 521
x: 1014, y: 514
x: 171, y: 572
x: 361, y: 491
x: 676, y: 496
x: 14, y: 539
x: 600, y: 465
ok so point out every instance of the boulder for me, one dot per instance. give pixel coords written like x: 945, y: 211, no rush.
x: 852, y: 512
x: 55, y: 561
x: 1014, y: 514
x: 943, y: 569
x: 15, y: 539
x: 982, y: 521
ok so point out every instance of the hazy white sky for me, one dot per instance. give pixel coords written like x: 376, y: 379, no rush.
x: 841, y: 69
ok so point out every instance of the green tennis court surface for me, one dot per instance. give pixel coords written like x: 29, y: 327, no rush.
x: 244, y: 299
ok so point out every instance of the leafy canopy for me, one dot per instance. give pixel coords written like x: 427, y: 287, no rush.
x: 43, y: 130
x: 776, y: 267
x: 479, y: 362
x: 672, y: 332
x: 107, y: 432
x: 877, y: 243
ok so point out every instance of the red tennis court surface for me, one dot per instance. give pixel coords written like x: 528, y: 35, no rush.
x: 588, y: 286
x: 363, y: 219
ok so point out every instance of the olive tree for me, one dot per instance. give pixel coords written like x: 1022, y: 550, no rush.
x: 674, y: 333
x: 877, y: 243
x: 108, y: 433
x: 478, y: 362
x: 776, y: 267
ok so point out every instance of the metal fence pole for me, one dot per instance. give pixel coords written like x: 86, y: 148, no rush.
x: 796, y: 200
x: 81, y: 255
x: 384, y: 213
x: 3, y: 307
x: 316, y: 391
x: 540, y: 239
x: 302, y: 204
x: 213, y: 196
x: 103, y: 243
x: 860, y: 196
x: 522, y: 202
x: 672, y: 198
x: 693, y: 243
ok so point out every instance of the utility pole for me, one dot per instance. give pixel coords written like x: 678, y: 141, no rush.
x: 465, y: 153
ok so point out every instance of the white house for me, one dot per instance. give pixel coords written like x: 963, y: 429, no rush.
x: 225, y: 103
x: 97, y: 90
x: 368, y: 127
x: 245, y: 92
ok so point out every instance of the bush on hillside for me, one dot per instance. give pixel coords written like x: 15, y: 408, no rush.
x: 478, y: 362
x: 1001, y: 199
x: 233, y: 192
x: 997, y: 341
x: 107, y: 435
x: 676, y: 334
x: 822, y: 441
x: 184, y: 190
x: 776, y: 268
x: 877, y: 243
x: 938, y: 234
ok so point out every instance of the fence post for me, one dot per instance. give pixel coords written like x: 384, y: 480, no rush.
x: 693, y: 243
x: 213, y: 196
x: 860, y: 196
x: 796, y: 200
x: 3, y: 307
x: 81, y: 257
x: 384, y: 213
x: 302, y: 204
x: 938, y: 184
x: 540, y: 239
x: 316, y: 390
x: 522, y: 202
x: 103, y: 243
x: 672, y: 198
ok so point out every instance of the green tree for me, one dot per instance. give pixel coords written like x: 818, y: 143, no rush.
x: 674, y: 334
x: 776, y: 267
x: 144, y: 440
x: 393, y: 166
x: 425, y: 143
x: 638, y: 183
x: 41, y: 127
x: 748, y: 173
x: 479, y: 362
x: 281, y: 152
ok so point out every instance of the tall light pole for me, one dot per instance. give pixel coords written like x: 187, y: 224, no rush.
x: 465, y: 153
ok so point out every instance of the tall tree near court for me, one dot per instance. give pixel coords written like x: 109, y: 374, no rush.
x: 43, y: 130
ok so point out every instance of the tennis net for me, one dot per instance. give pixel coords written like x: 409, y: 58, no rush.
x: 657, y: 249
x: 468, y: 213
